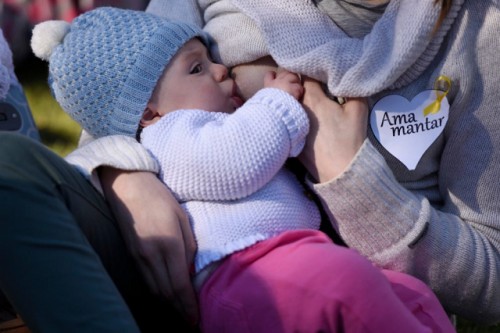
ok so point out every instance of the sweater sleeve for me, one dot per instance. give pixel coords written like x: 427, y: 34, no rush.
x: 218, y: 156
x: 218, y: 18
x: 361, y: 70
x: 188, y: 10
x: 238, y: 39
x: 453, y: 248
x: 121, y: 152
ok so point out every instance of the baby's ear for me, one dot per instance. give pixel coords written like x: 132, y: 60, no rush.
x: 149, y: 116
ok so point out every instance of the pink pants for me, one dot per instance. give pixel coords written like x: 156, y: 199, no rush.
x: 301, y: 282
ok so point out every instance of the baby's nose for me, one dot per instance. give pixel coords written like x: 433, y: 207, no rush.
x: 220, y: 72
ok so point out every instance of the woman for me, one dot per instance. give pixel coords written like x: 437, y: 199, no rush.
x: 434, y: 212
x: 433, y: 215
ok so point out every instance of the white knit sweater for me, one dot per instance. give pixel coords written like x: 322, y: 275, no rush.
x: 227, y: 171
x: 441, y: 221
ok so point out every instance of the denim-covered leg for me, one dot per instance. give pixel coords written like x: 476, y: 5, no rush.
x: 59, y: 247
x: 49, y: 215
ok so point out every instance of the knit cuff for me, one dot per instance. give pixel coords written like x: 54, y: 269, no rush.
x: 372, y: 211
x: 291, y: 113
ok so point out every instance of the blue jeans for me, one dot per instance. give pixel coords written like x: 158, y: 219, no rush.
x: 63, y: 263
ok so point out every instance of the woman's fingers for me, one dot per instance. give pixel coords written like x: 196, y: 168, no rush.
x: 336, y: 132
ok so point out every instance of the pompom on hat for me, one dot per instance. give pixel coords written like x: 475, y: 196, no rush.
x: 104, y: 66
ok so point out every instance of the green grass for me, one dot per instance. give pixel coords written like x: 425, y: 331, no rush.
x: 464, y: 326
x: 57, y: 130
x: 60, y: 133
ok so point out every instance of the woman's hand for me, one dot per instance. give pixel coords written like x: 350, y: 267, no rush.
x: 157, y: 233
x: 336, y: 132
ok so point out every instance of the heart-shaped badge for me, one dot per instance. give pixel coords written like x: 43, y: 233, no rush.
x: 405, y: 128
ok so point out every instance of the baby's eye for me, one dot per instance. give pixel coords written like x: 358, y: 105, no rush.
x: 196, y: 69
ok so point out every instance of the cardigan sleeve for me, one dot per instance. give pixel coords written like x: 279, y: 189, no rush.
x: 188, y: 10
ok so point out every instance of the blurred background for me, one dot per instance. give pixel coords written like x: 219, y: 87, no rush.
x: 17, y: 19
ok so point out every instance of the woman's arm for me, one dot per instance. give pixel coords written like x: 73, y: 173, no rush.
x: 452, y: 246
x: 186, y: 10
x: 157, y: 233
x: 153, y: 225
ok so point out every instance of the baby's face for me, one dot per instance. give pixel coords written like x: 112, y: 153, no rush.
x: 193, y: 81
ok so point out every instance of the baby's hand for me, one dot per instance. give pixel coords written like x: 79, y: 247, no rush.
x: 286, y: 81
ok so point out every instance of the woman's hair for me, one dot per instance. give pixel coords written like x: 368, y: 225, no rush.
x: 445, y: 8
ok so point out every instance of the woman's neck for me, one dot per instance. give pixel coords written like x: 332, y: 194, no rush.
x: 355, y: 17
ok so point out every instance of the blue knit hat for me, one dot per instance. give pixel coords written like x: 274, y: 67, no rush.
x: 104, y: 66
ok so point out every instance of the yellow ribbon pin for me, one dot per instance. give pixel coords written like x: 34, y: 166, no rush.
x: 442, y: 87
